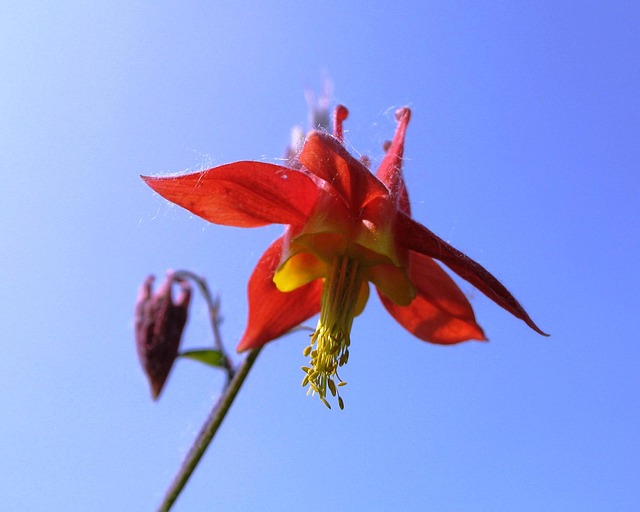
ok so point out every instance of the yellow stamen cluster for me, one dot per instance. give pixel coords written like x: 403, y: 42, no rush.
x: 329, y: 346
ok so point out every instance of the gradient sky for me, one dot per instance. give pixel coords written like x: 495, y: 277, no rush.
x: 523, y: 151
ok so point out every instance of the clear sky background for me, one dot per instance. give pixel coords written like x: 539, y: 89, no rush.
x: 523, y: 151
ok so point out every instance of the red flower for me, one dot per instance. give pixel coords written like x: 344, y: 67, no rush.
x: 345, y: 228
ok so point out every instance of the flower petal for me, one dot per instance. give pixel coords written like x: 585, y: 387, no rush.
x: 271, y: 312
x: 392, y: 282
x: 326, y: 157
x: 390, y: 170
x: 243, y: 194
x: 415, y: 236
x: 298, y: 270
x: 440, y: 313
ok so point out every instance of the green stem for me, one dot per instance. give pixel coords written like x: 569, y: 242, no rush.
x: 207, y: 432
x: 213, y: 305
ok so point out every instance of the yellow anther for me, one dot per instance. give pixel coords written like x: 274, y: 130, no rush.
x: 343, y: 287
x: 332, y: 387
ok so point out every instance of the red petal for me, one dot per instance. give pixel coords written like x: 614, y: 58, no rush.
x: 326, y: 157
x: 390, y: 170
x: 272, y: 312
x: 243, y: 194
x: 416, y: 237
x: 440, y: 313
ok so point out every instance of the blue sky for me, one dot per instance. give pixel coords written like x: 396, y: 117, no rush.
x: 523, y: 151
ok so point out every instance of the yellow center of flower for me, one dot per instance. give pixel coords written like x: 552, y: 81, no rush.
x: 344, y: 295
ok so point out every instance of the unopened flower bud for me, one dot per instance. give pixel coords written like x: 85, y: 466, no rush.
x: 159, y: 323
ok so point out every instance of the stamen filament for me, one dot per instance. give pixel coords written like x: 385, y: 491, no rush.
x: 329, y: 346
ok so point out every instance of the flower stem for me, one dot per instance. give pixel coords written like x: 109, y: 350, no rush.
x: 208, y: 430
x: 213, y: 305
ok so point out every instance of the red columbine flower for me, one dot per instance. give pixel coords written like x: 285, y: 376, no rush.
x: 345, y: 228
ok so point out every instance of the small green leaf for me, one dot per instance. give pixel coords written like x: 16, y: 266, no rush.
x: 208, y: 357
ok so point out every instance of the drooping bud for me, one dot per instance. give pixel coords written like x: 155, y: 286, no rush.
x: 159, y: 323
